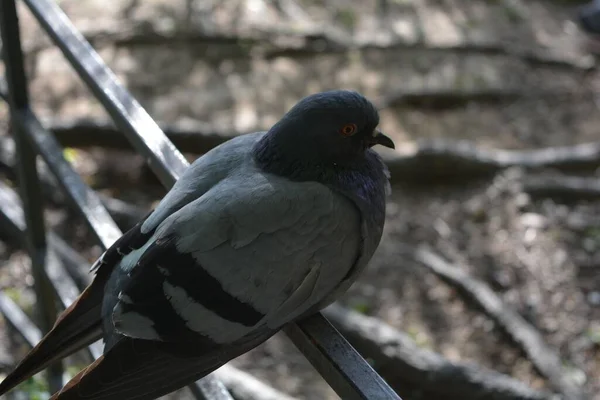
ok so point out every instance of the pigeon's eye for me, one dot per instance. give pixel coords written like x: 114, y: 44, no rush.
x: 348, y: 129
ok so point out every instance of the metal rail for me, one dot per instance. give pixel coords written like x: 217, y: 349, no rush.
x: 333, y: 357
x: 18, y: 98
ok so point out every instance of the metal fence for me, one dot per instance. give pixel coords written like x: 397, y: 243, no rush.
x: 55, y: 276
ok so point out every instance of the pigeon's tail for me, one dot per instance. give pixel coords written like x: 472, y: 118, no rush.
x: 78, y: 326
x: 137, y: 369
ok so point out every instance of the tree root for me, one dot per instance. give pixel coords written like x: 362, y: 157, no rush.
x: 316, y: 40
x: 433, y: 160
x: 400, y: 361
x: 561, y: 187
x: 545, y: 359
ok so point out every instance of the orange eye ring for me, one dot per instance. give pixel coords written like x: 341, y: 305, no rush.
x: 348, y: 129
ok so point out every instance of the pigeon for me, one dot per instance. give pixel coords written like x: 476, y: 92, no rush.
x: 262, y: 230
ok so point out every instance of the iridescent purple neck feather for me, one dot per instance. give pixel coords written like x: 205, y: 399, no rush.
x: 306, y: 145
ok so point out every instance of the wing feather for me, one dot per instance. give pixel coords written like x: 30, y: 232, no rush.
x: 137, y: 369
x: 253, y: 250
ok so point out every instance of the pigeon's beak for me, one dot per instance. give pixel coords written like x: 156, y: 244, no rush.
x: 380, y: 138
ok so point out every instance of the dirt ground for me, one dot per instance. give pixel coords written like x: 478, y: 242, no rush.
x: 185, y: 62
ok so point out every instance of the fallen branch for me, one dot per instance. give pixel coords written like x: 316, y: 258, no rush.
x: 568, y: 188
x: 581, y: 222
x: 398, y: 359
x: 463, y: 159
x: 244, y: 386
x: 435, y: 159
x: 314, y: 40
x: 544, y: 358
x: 443, y: 99
x: 192, y: 138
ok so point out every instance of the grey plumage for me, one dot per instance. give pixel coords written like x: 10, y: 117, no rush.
x: 240, y: 230
x: 261, y: 230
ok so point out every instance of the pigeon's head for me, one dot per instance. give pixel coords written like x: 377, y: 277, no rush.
x: 325, y: 129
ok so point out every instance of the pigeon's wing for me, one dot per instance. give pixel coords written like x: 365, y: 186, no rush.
x: 254, y: 251
x: 81, y: 323
x: 213, y: 167
x: 220, y: 276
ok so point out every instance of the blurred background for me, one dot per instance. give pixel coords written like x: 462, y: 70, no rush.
x: 493, y: 227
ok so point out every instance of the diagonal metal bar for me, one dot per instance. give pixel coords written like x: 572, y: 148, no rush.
x: 12, y: 222
x: 102, y: 225
x: 74, y: 263
x: 168, y: 163
x: 19, y: 320
x: 24, y: 326
x: 128, y: 114
x: 209, y: 389
x: 63, y: 285
x: 13, y: 219
x: 29, y: 185
x: 85, y: 200
x: 334, y: 358
x: 124, y: 214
